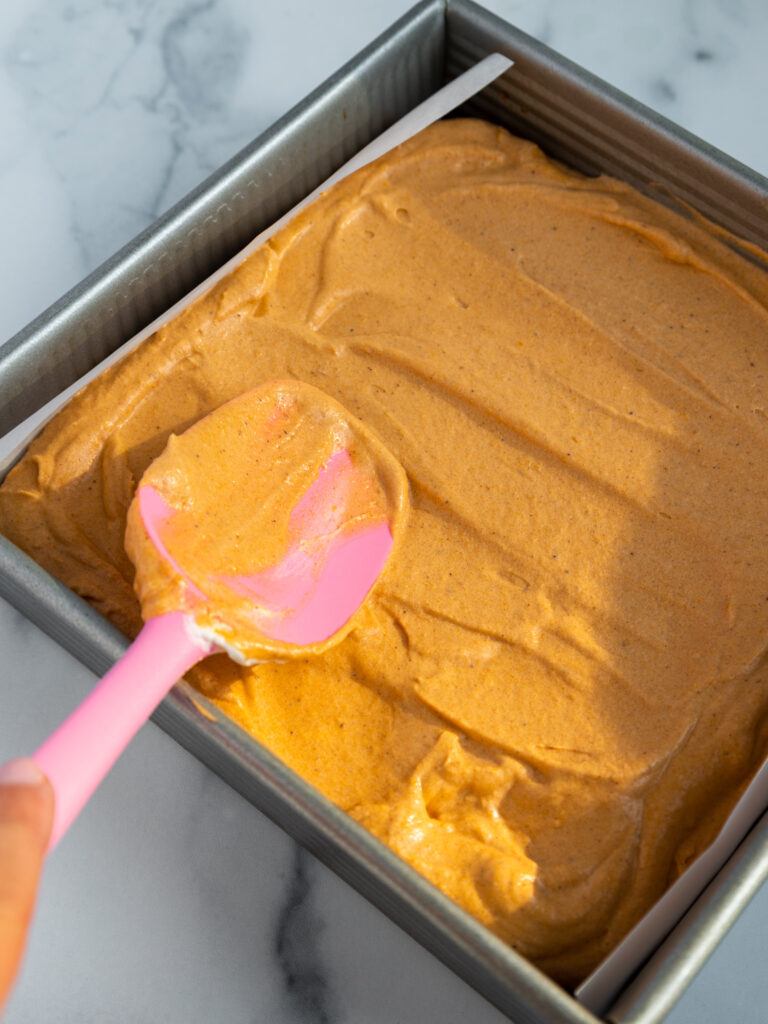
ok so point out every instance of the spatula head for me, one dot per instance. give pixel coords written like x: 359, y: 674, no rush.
x: 268, y: 521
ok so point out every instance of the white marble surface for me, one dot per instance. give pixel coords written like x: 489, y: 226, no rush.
x: 172, y: 900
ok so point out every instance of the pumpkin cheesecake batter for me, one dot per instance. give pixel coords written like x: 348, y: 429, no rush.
x: 559, y: 686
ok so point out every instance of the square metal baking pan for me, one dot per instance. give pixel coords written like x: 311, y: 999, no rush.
x: 575, y: 118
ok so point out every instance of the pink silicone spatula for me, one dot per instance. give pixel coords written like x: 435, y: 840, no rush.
x: 339, y: 535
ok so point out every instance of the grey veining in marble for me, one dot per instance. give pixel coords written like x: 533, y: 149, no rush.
x: 299, y: 948
x: 172, y: 900
x: 167, y: 74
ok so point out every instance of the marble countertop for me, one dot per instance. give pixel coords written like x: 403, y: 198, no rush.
x: 173, y: 900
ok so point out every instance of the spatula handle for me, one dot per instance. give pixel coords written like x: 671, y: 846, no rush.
x: 83, y: 749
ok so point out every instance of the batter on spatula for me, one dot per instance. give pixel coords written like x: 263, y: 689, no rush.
x: 268, y: 521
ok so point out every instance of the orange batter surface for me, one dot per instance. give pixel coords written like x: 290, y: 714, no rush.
x: 560, y: 685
